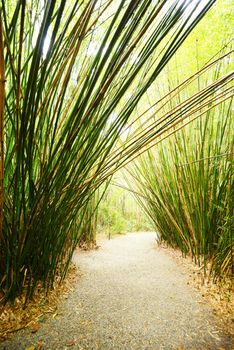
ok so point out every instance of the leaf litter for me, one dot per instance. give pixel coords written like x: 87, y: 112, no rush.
x: 220, y: 295
x: 15, y: 317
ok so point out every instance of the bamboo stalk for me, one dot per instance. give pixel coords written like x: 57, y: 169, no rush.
x: 2, y: 97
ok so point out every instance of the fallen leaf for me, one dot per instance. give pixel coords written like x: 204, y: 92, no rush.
x: 70, y: 343
x: 35, y: 328
x: 40, y: 345
x: 31, y: 348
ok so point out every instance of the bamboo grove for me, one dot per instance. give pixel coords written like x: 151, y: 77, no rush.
x: 185, y: 185
x: 72, y: 76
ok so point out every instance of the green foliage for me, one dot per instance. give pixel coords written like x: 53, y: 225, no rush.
x: 205, y: 41
x: 119, y: 212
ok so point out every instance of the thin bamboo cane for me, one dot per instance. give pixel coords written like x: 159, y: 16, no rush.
x: 2, y: 97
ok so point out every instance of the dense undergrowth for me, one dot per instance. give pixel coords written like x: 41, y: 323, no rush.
x: 119, y: 212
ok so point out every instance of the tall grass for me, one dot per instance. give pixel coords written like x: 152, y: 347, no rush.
x: 186, y: 187
x: 68, y: 67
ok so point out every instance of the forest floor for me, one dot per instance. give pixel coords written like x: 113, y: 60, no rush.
x: 131, y: 294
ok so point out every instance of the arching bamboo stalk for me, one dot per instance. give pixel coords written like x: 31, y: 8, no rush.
x: 2, y: 96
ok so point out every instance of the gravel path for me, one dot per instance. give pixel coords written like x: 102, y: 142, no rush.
x: 131, y: 295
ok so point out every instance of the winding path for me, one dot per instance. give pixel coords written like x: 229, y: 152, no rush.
x: 130, y: 296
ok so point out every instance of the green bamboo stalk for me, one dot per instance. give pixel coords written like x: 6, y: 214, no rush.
x: 2, y: 103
